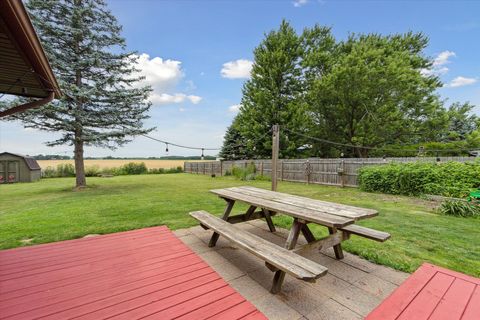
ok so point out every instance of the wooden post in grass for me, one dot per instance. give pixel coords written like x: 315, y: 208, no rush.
x: 275, y: 147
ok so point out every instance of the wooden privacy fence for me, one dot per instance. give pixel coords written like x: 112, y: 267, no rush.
x: 337, y: 172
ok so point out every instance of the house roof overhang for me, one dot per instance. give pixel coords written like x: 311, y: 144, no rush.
x: 24, y: 67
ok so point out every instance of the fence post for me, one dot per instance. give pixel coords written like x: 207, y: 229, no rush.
x: 275, y: 146
x: 343, y: 174
x: 307, y: 171
x: 261, y: 168
x: 221, y: 168
x: 281, y: 170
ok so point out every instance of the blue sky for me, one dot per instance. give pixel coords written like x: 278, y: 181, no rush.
x: 196, y: 55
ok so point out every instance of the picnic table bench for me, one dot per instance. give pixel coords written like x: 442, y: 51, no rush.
x: 338, y: 218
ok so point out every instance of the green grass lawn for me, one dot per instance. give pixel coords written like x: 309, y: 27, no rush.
x: 50, y: 211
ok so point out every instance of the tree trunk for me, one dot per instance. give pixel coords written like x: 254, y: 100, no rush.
x: 79, y: 164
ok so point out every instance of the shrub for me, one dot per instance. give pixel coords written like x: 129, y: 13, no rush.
x: 65, y: 170
x: 246, y: 173
x: 178, y: 169
x: 49, y: 172
x: 92, y: 171
x: 262, y: 178
x: 459, y: 208
x: 134, y: 168
x: 450, y: 179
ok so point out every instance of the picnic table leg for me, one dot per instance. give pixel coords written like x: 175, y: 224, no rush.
x: 226, y: 213
x: 249, y: 212
x: 307, y: 233
x: 337, y: 248
x: 268, y: 218
x: 290, y: 244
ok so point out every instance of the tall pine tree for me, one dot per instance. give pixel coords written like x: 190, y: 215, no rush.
x: 103, y: 105
x: 235, y: 147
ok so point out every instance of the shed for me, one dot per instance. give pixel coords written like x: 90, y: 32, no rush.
x: 18, y: 168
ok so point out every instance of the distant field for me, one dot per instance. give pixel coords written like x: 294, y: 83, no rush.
x: 151, y: 164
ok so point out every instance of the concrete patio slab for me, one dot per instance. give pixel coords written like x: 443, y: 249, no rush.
x: 351, y: 289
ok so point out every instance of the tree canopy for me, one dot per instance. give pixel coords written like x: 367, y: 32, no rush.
x: 362, y: 96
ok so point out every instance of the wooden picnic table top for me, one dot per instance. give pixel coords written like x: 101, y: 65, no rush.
x: 321, y: 212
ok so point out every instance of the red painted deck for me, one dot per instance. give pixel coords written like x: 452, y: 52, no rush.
x: 147, y: 273
x: 432, y: 293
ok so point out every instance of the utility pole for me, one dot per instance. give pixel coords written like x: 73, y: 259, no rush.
x: 275, y: 147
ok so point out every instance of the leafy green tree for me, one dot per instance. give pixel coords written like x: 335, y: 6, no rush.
x: 102, y: 103
x: 461, y: 121
x: 374, y: 95
x: 273, y: 94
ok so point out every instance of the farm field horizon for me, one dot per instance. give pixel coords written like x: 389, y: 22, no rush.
x: 116, y: 163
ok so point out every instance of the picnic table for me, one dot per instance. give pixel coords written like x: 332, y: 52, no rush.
x: 338, y: 218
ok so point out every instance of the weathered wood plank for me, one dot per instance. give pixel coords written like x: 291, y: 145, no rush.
x: 322, y: 244
x: 268, y: 218
x: 338, y: 247
x: 306, y: 214
x: 239, y: 218
x: 226, y: 213
x: 366, y: 232
x: 307, y: 233
x: 289, y: 245
x: 352, y: 212
x: 283, y: 259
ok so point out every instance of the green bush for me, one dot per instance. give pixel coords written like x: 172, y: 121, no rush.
x: 178, y: 169
x: 134, y: 168
x: 49, y: 172
x: 246, y: 173
x: 450, y: 179
x: 92, y: 171
x: 459, y: 208
x: 65, y: 170
x: 68, y: 170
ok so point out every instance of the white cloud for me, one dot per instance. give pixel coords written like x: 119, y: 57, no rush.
x: 461, y: 81
x: 235, y: 108
x: 181, y: 109
x: 163, y: 76
x: 194, y: 99
x: 438, y: 66
x: 299, y: 3
x: 443, y: 57
x: 237, y: 69
x: 166, y: 98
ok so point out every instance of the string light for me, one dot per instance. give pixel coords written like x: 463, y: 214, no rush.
x: 166, y: 147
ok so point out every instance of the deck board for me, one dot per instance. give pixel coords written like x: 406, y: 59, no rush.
x: 127, y: 275
x: 432, y: 293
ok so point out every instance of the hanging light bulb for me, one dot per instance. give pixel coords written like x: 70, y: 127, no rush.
x: 202, y: 154
x: 166, y: 149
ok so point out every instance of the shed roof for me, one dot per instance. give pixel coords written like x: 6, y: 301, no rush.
x: 30, y: 161
x: 24, y: 68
